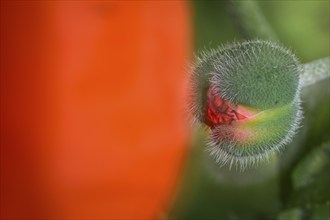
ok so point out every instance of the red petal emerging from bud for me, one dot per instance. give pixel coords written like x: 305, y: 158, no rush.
x: 219, y: 111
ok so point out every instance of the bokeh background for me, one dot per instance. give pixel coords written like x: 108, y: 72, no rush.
x: 93, y: 123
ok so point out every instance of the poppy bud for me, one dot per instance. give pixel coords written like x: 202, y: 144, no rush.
x: 248, y: 94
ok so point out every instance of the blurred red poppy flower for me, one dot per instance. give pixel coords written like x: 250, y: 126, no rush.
x: 91, y: 107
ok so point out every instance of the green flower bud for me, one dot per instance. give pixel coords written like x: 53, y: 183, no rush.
x: 249, y: 95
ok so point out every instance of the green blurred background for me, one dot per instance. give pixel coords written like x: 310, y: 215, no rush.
x: 295, y: 183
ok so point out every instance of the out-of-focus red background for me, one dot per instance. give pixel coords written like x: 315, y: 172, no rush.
x: 92, y: 121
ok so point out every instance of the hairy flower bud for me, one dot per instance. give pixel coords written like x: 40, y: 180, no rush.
x: 248, y: 95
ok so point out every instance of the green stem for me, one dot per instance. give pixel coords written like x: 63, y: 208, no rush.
x: 315, y: 71
x: 250, y: 20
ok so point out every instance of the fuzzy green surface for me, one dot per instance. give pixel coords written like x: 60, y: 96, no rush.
x: 257, y: 74
x: 270, y: 130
